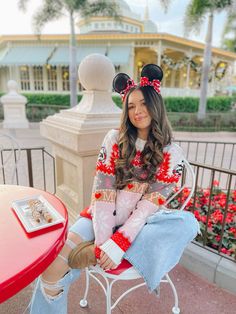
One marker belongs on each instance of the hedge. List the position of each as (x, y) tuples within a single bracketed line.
[(173, 104), (221, 121), (180, 121)]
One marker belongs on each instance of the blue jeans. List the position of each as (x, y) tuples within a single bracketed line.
[(41, 302)]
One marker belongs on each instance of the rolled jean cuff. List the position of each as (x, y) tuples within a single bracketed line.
[(83, 227)]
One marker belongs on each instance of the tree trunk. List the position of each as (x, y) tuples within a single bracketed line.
[(73, 64), (205, 70)]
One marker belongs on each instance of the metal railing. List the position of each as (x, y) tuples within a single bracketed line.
[(218, 154), (212, 202), (214, 206), (36, 168)]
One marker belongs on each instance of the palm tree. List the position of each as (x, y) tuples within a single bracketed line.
[(196, 12), (53, 10), (165, 4)]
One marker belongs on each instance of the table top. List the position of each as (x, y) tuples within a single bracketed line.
[(25, 256)]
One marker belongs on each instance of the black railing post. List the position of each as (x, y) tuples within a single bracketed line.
[(225, 214), (30, 169), (209, 208), (3, 170)]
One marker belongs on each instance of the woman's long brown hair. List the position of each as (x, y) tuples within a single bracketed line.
[(159, 136)]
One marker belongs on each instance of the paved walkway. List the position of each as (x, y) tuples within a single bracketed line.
[(32, 138), (196, 295)]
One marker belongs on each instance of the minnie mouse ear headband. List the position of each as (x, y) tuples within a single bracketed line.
[(151, 75)]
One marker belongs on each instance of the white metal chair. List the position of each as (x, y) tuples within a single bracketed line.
[(11, 153), (125, 271)]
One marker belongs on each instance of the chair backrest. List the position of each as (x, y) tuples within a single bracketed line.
[(14, 146), (188, 171)]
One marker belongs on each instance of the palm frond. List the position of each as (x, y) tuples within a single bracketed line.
[(195, 15), (165, 4), (74, 5), (49, 11), (22, 5), (100, 7)]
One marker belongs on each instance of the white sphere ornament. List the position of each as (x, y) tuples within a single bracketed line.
[(96, 72), (12, 86)]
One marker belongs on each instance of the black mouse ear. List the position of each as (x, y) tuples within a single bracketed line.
[(152, 72), (120, 82)]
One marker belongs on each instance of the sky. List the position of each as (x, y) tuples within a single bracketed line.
[(13, 21)]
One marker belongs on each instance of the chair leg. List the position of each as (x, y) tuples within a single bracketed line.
[(175, 309), (108, 299), (84, 302)]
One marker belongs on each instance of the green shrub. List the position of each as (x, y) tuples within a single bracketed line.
[(50, 99), (217, 121), (38, 112), (190, 104), (118, 101), (219, 104), (181, 104), (173, 104)]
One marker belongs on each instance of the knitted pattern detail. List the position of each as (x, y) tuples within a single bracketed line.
[(162, 174), (97, 252), (121, 241), (110, 168)]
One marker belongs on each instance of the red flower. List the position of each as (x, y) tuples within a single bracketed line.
[(233, 231), (217, 237), (186, 192), (216, 183), (197, 215), (225, 251), (234, 195), (204, 201), (206, 193), (232, 207), (222, 202), (229, 218), (209, 224), (217, 216)]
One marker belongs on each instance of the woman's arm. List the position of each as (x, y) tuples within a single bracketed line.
[(102, 206), (167, 177), (106, 212)]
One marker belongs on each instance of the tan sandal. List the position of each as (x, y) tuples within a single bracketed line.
[(82, 256)]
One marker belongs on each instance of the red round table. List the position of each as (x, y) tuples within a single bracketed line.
[(25, 256)]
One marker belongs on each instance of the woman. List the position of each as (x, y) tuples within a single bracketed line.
[(137, 169)]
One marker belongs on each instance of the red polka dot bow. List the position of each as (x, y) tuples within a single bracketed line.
[(130, 84), (156, 84)]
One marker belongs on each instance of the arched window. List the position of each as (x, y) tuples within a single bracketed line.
[(52, 77), (38, 77), (24, 77)]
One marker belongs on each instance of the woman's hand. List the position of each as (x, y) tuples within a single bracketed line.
[(105, 262)]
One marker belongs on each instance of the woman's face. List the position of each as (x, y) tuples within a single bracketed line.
[(138, 113)]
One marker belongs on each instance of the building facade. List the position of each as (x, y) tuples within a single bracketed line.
[(41, 64)]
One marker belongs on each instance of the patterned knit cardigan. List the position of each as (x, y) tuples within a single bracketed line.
[(130, 207)]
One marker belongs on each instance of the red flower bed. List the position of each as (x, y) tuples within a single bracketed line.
[(216, 218)]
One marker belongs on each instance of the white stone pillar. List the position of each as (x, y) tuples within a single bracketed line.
[(159, 53), (132, 60), (14, 108), (189, 54), (76, 134)]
